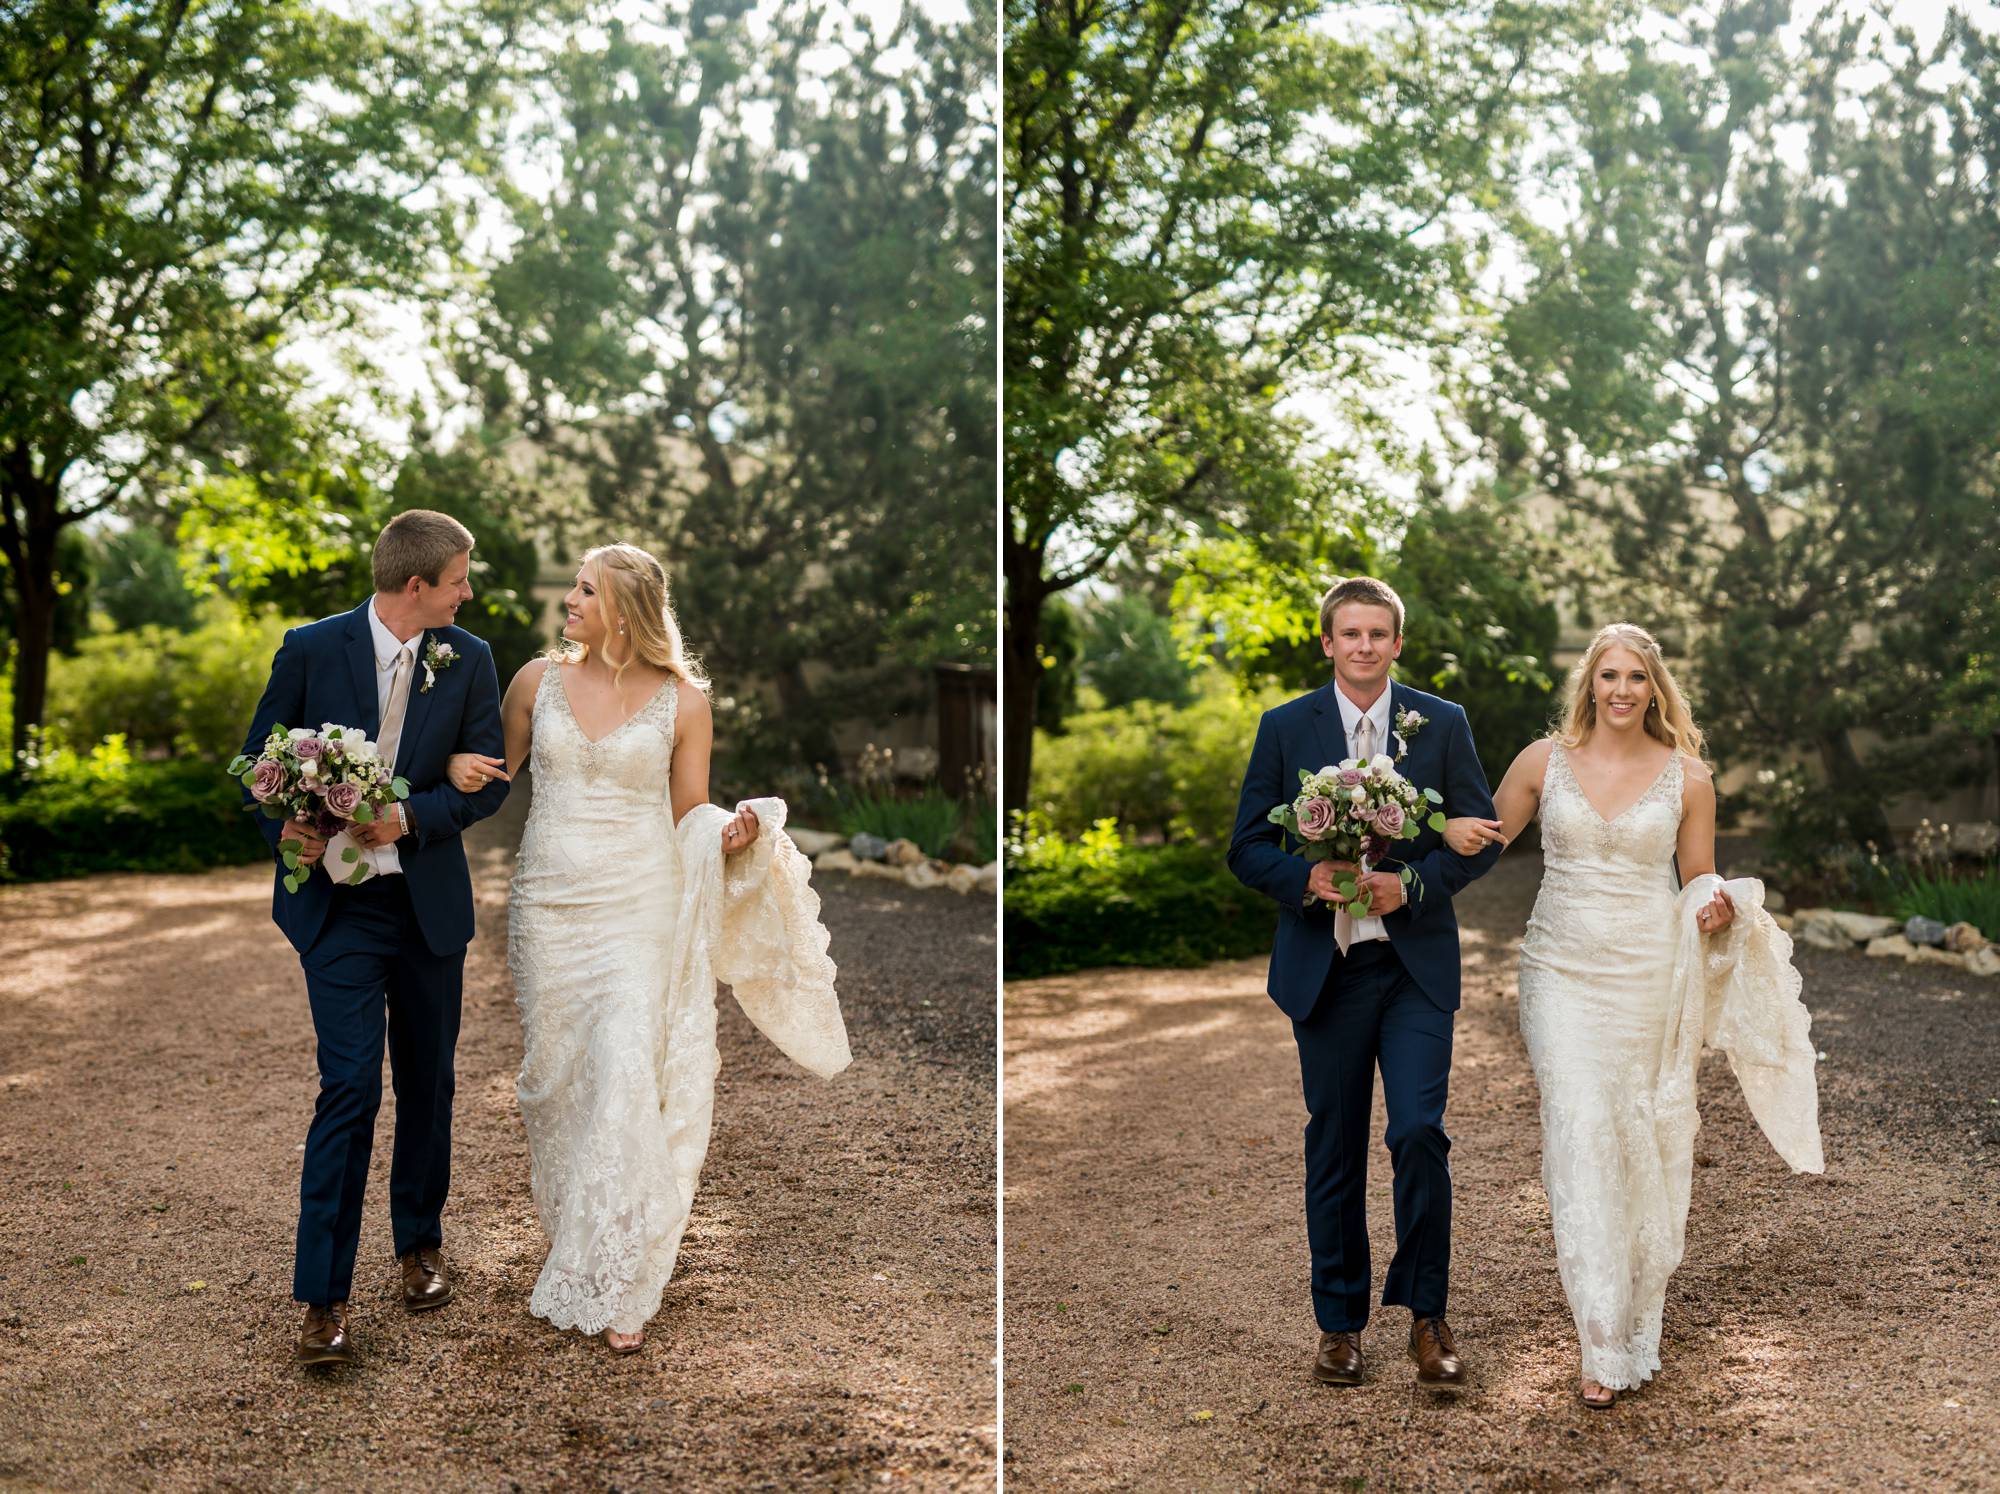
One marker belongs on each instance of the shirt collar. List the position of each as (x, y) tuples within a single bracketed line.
[(387, 645), (1350, 714)]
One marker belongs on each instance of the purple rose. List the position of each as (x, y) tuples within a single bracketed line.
[(1315, 818), (305, 749), (314, 786), (269, 781), (1389, 819), (343, 799), (1352, 777)]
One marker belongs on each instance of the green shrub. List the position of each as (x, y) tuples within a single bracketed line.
[(1073, 904), (930, 819), (1171, 772), (1952, 896), (105, 813), (190, 693)]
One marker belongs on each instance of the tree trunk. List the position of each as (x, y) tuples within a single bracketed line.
[(1865, 820), (30, 549), (796, 697), (1020, 674)]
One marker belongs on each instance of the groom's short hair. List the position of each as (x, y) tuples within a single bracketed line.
[(417, 542), (1359, 589)]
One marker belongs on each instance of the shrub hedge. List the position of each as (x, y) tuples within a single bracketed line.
[(146, 817), (1069, 909)]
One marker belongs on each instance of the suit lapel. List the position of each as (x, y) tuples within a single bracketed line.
[(361, 663), (1327, 724)]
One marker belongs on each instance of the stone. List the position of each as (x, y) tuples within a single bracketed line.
[(923, 876), (903, 853), (833, 861), (814, 843), (876, 869), (1984, 961), (1893, 946), (1922, 930), (1978, 838), (962, 879), (1774, 900), (1783, 921), (1819, 929), (989, 877), (1861, 927), (1963, 938), (1924, 954), (868, 847)]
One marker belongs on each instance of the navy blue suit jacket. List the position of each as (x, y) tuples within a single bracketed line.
[(1306, 733), (325, 671)]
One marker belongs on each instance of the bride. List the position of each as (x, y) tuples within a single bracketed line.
[(620, 922), (1622, 980)]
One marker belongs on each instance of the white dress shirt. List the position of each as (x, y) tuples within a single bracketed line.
[(1350, 717), (387, 645)]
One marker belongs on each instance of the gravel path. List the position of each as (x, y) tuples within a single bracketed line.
[(831, 1322), (1825, 1332)]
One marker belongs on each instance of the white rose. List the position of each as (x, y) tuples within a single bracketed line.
[(309, 768), (300, 733), (1333, 768), (1381, 762), (1358, 795)]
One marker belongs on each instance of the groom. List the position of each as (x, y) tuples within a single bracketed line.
[(384, 959), (1379, 989)]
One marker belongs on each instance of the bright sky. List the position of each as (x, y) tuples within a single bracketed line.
[(1409, 396), (398, 341)]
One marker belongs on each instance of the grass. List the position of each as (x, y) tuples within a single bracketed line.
[(1953, 897), (929, 819)]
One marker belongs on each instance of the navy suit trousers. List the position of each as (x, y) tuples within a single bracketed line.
[(1370, 1011), (369, 977)]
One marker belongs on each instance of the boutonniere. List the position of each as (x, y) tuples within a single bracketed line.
[(1407, 724), (437, 656)]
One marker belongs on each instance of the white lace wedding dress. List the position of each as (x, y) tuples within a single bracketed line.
[(1619, 993), (619, 927)]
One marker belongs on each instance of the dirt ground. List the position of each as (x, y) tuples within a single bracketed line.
[(830, 1324), (1829, 1332)]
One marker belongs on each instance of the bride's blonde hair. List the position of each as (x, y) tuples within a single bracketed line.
[(632, 590), (1667, 717)]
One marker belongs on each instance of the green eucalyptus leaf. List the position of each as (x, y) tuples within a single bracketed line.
[(400, 787), (1434, 796), (364, 813), (1436, 822), (350, 854)]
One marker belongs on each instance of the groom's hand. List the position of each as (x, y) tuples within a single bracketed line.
[(309, 838), (1385, 892), (384, 830), (1319, 881)]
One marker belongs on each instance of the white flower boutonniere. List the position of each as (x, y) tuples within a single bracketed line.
[(1407, 724), (436, 656)]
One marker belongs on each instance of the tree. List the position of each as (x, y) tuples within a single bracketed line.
[(767, 352), (183, 189), (1761, 356), (1211, 205)]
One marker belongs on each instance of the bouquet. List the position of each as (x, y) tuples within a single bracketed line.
[(1355, 811), (329, 779)]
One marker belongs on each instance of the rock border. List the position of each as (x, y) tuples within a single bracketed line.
[(895, 861), (1917, 941)]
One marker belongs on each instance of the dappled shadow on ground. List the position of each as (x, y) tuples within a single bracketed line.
[(1159, 1328), (831, 1319)]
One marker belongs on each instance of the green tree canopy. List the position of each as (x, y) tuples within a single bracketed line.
[(1760, 357), (183, 190)]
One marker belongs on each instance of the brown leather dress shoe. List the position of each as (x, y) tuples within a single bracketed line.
[(1436, 1354), (323, 1336), (425, 1284), (1339, 1359)]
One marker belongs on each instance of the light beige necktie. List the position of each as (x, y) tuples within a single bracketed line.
[(1364, 748), (390, 737)]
